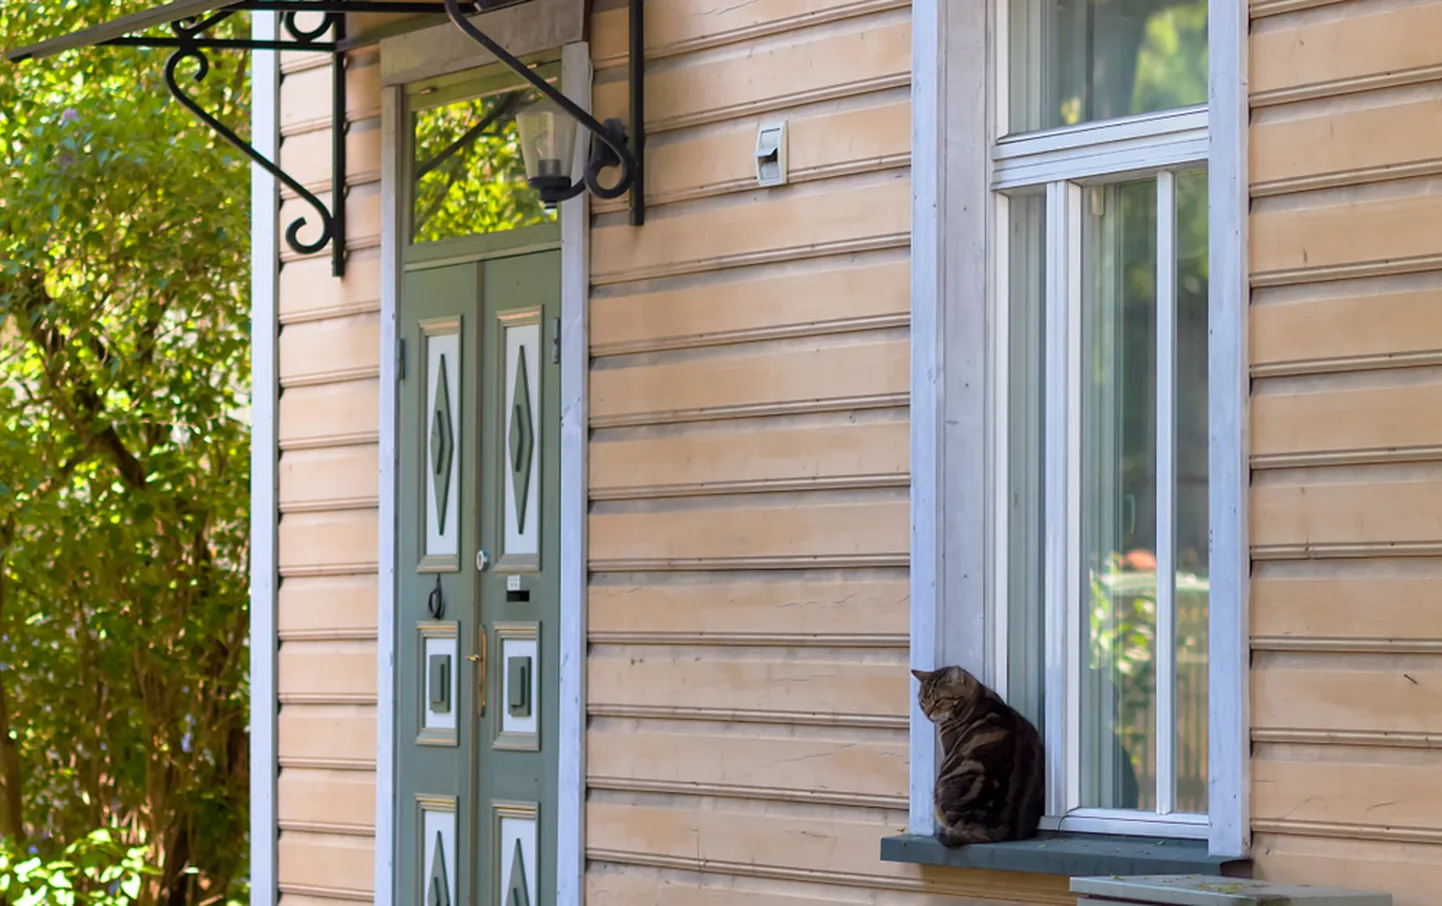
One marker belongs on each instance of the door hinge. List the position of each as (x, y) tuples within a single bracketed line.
[(555, 341), (400, 359)]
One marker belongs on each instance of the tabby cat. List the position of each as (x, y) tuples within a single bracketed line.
[(991, 782)]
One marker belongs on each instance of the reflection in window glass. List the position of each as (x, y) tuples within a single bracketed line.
[(468, 176), (1120, 476), (1118, 497), (1026, 464), (1192, 536), (1080, 61)]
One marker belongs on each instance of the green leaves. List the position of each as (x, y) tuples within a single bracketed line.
[(124, 538), (99, 869), (473, 183)]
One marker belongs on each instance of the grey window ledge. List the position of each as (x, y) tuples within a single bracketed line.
[(1195, 890), (1070, 854)]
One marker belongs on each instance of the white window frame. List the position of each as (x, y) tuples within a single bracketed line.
[(958, 415)]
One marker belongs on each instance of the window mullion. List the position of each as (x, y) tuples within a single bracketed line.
[(1108, 151), (1077, 592), (1000, 472), (1062, 504), (1054, 490), (1166, 357)]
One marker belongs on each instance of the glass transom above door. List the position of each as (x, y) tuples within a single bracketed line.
[(467, 175)]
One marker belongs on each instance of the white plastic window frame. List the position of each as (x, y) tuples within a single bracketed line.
[(958, 167), (1170, 143)]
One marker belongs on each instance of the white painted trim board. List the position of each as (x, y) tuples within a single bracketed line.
[(575, 370), (949, 221), (264, 471), (1229, 393), (385, 843), (926, 96)]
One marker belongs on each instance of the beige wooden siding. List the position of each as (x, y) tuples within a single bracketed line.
[(329, 361), (749, 519), (1346, 436)]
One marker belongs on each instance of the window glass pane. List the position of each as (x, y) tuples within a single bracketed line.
[(1118, 497), (1025, 465), (1079, 61), (1192, 514), (467, 174)]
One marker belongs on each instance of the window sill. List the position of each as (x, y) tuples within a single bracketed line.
[(1070, 854)]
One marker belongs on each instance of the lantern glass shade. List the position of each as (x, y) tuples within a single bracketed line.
[(548, 142)]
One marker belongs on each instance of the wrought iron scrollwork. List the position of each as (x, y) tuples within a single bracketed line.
[(304, 36), (195, 26), (189, 40), (190, 44), (292, 233)]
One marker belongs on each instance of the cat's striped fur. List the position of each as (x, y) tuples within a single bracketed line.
[(991, 783)]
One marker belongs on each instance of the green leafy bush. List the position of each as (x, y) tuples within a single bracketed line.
[(96, 870)]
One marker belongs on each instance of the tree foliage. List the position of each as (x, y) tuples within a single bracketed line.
[(124, 458), (471, 177)]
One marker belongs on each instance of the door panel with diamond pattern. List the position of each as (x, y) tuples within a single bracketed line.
[(476, 650)]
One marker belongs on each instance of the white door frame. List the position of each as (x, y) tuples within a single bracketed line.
[(575, 366)]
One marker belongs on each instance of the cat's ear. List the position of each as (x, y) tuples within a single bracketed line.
[(922, 675)]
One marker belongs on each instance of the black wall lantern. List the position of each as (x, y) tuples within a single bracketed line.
[(548, 129), (548, 144)]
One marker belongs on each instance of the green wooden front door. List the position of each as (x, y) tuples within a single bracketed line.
[(476, 643)]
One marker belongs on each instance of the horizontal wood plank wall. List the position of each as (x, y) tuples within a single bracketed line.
[(748, 528), (1347, 443), (329, 409)]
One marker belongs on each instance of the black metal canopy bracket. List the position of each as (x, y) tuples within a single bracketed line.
[(190, 44), (190, 22)]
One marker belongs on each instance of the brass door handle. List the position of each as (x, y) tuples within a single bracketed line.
[(481, 682)]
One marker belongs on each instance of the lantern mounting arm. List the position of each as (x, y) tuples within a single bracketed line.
[(612, 133)]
